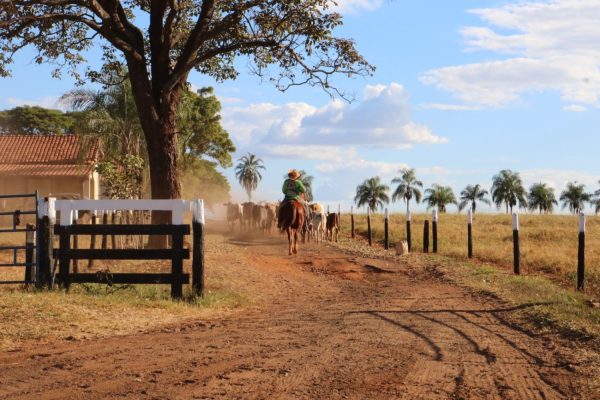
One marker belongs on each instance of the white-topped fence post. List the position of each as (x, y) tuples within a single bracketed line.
[(386, 227), (369, 226), (46, 219), (408, 231), (470, 233), (198, 248), (581, 254), (434, 224), (516, 252)]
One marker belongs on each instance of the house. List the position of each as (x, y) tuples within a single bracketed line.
[(61, 166)]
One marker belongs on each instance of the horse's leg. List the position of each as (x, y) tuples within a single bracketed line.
[(295, 241), (289, 234)]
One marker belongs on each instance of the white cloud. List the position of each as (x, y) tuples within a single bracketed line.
[(552, 45), (46, 102), (381, 120), (575, 108), (449, 107)]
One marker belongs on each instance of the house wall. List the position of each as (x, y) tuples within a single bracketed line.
[(59, 187)]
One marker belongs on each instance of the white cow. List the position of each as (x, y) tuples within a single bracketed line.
[(317, 223)]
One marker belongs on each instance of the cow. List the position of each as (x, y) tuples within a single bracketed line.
[(235, 213), (317, 223), (259, 217), (332, 226), (248, 208), (271, 216)]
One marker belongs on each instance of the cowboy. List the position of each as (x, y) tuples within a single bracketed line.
[(294, 189)]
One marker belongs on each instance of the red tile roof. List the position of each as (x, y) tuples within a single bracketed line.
[(51, 155)]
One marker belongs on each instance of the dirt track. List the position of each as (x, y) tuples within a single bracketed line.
[(330, 326)]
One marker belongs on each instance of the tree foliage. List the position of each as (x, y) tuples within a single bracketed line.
[(541, 197), (574, 197), (247, 171), (36, 120), (372, 193), (122, 178), (408, 187), (472, 194), (507, 188), (439, 196)]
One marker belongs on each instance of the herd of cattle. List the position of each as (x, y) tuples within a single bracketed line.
[(262, 217)]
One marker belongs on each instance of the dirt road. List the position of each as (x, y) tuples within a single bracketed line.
[(329, 325)]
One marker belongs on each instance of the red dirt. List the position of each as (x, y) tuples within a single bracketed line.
[(330, 326)]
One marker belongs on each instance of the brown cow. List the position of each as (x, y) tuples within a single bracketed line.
[(248, 208), (234, 213), (259, 217), (332, 226), (271, 216)]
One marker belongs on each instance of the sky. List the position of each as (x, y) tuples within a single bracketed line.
[(462, 89)]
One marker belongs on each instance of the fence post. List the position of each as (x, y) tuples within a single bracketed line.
[(426, 236), (176, 263), (104, 243), (470, 233), (64, 261), (45, 243), (408, 232), (198, 248), (75, 241), (516, 253), (386, 227), (369, 225), (434, 224), (581, 254), (352, 220), (29, 244), (93, 238)]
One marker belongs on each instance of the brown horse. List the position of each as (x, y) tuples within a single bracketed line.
[(292, 217)]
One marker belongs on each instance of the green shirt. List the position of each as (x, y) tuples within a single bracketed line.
[(292, 189)]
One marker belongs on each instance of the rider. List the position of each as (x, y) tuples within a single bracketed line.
[(294, 189)]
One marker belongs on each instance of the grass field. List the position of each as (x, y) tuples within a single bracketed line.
[(548, 242)]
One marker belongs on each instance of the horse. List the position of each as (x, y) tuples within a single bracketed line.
[(292, 219)]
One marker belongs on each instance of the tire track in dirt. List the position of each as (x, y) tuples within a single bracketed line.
[(330, 326)]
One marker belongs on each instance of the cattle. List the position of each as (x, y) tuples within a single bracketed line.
[(317, 222), (235, 213), (259, 217), (248, 208), (332, 226), (272, 209)]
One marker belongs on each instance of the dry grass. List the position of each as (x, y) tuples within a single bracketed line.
[(93, 310), (548, 242)]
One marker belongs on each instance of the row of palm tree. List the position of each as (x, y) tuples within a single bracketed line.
[(507, 189)]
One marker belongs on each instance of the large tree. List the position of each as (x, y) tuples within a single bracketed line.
[(26, 120), (161, 41)]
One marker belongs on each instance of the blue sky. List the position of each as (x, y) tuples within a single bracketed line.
[(462, 90)]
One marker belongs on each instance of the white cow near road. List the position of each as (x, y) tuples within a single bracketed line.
[(317, 223)]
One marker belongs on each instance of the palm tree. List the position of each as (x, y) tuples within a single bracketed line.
[(248, 173), (372, 193), (439, 196), (472, 194), (574, 197), (507, 188), (109, 115), (541, 197), (408, 187)]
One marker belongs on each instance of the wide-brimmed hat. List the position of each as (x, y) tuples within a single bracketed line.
[(294, 174)]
